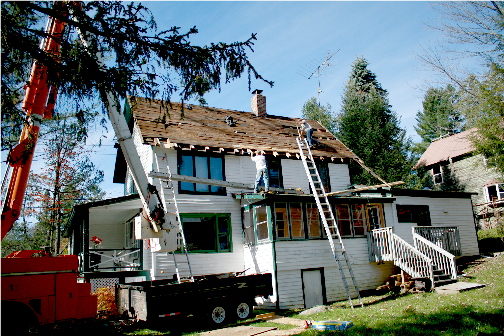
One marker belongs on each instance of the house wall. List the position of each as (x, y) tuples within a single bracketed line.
[(444, 212), (294, 256), (162, 265), (473, 173)]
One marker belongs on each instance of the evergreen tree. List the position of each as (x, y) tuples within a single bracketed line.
[(438, 118), (369, 127), (323, 114), (140, 59)]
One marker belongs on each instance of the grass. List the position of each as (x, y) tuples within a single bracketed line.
[(474, 312)]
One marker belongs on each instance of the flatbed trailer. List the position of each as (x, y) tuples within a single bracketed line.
[(214, 299)]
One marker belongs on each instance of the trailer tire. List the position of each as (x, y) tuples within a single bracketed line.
[(217, 313), (244, 309)]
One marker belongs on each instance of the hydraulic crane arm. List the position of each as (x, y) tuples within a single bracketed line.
[(38, 103)]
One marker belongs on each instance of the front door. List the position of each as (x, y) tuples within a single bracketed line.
[(313, 287)]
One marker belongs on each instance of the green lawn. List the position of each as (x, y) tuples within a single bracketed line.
[(474, 312)]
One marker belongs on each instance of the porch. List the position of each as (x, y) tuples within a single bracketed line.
[(432, 256)]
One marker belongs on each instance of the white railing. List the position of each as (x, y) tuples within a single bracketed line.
[(446, 237), (380, 247), (114, 259), (442, 259), (410, 260)]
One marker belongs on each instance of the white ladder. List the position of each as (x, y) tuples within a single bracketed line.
[(171, 210), (327, 216)]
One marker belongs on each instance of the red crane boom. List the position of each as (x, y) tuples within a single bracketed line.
[(38, 103)]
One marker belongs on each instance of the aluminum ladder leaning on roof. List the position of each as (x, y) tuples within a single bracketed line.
[(172, 212), (327, 216)]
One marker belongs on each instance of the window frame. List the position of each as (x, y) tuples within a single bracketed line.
[(289, 221), (216, 233), (499, 192), (352, 219), (208, 156), (437, 176), (414, 210), (274, 168)]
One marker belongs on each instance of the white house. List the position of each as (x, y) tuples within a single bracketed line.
[(230, 229)]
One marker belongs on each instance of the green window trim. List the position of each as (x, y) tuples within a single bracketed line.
[(207, 232)]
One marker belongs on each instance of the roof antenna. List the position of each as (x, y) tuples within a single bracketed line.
[(317, 72)]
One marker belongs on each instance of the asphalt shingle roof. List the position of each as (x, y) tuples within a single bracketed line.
[(450, 147), (205, 128)]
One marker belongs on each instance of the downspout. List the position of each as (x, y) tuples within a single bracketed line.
[(275, 276), (273, 250)]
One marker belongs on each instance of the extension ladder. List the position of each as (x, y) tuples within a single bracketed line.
[(327, 216), (171, 210)]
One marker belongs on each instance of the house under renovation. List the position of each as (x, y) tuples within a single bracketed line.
[(320, 240)]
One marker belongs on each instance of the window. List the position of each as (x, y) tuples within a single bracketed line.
[(295, 220), (323, 169), (289, 220), (374, 217), (261, 215), (314, 224), (274, 171), (418, 214), (437, 174), (350, 219), (207, 232), (205, 166), (494, 192), (248, 227)]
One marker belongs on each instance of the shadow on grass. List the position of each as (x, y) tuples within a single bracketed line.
[(455, 321)]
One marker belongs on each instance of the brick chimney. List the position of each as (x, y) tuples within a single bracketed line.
[(258, 103)]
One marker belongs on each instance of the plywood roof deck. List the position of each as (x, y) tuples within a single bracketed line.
[(205, 128)]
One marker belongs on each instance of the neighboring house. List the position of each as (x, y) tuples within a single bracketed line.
[(452, 162), (230, 229)]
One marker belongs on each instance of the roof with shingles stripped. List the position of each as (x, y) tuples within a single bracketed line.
[(205, 128)]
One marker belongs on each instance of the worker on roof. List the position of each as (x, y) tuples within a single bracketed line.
[(262, 170), (305, 127)]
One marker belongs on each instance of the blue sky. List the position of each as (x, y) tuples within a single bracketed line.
[(293, 38)]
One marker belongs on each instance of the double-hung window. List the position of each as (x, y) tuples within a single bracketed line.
[(207, 232), (201, 165), (494, 192), (437, 174)]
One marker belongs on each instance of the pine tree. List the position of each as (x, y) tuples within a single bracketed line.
[(140, 59), (369, 127), (438, 118), (323, 114)]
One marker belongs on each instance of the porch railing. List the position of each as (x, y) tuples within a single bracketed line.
[(387, 246), (410, 260), (114, 259), (380, 247), (447, 237), (441, 259)]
